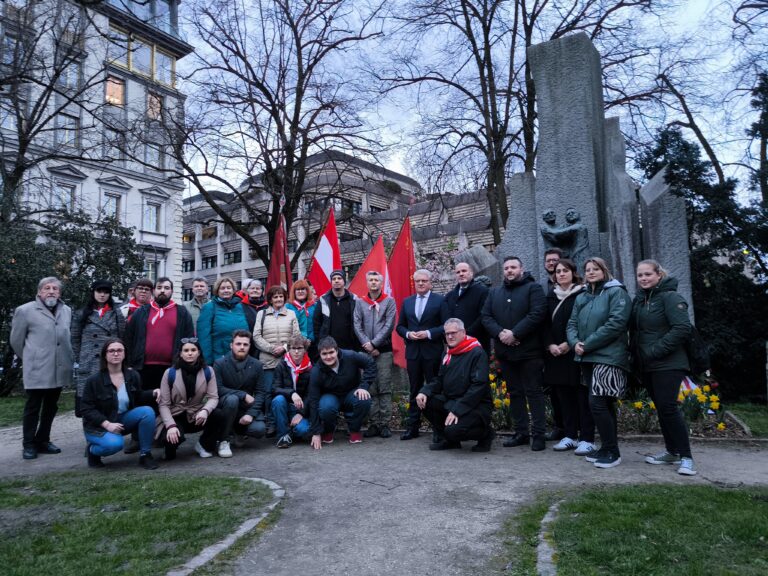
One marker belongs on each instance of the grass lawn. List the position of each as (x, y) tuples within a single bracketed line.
[(648, 530), (12, 407), (128, 523), (755, 415)]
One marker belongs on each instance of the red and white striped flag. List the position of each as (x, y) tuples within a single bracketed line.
[(326, 258)]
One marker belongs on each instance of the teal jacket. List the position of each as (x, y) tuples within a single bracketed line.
[(218, 319), (660, 328), (600, 320)]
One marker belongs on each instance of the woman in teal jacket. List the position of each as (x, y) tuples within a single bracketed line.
[(660, 329), (218, 319), (597, 331)]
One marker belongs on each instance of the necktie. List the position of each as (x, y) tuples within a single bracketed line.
[(420, 306)]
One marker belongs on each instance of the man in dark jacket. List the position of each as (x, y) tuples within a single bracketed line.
[(336, 382), (458, 400), (466, 301), (154, 333), (512, 315), (239, 377), (335, 314)]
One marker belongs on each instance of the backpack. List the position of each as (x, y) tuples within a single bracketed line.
[(172, 375), (698, 353)]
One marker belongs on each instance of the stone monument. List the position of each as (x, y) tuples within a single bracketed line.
[(581, 198)]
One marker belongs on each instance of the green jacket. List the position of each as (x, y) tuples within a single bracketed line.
[(660, 328), (600, 319)]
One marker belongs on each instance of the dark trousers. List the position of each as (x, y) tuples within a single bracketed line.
[(604, 413), (577, 417), (151, 375), (471, 426), (231, 409), (39, 412), (663, 387), (524, 382), (419, 371), (558, 423), (212, 431)]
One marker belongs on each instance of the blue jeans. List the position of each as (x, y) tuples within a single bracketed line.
[(283, 412), (355, 411), (141, 419)]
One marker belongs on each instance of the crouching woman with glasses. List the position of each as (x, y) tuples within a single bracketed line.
[(113, 405)]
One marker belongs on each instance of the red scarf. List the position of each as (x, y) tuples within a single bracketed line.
[(374, 303), (465, 345), (103, 310), (296, 370), (303, 307), (133, 305), (160, 312)]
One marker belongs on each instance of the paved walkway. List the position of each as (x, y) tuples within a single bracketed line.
[(387, 507)]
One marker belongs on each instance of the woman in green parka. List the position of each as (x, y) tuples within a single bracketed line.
[(660, 329), (597, 332)]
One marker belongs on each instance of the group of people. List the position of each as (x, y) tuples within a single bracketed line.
[(249, 364)]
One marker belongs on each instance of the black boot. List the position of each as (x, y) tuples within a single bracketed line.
[(484, 445), (93, 460)]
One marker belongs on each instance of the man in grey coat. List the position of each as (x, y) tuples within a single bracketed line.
[(40, 336)]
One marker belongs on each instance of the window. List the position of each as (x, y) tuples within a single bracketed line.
[(153, 155), (154, 106), (141, 57), (152, 217), (67, 130), (163, 16), (118, 47), (318, 205), (110, 206), (115, 91), (234, 257), (69, 79), (164, 68), (350, 206), (150, 269), (187, 265), (376, 209), (63, 196), (346, 237), (8, 50), (293, 245), (115, 144), (186, 294), (210, 232), (209, 262), (187, 238)]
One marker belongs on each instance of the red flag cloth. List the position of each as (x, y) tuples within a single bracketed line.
[(280, 264), (402, 263), (375, 261), (326, 257)]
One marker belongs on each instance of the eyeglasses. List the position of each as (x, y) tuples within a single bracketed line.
[(142, 289), (189, 340), (115, 350), (454, 333)]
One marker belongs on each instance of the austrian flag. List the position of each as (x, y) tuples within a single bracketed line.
[(327, 257)]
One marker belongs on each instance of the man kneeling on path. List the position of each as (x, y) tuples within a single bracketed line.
[(458, 400), (337, 382), (241, 392)]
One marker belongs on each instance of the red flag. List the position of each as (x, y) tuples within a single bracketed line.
[(375, 261), (326, 257), (403, 265), (280, 264)]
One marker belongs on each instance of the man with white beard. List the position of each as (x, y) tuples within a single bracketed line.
[(40, 336)]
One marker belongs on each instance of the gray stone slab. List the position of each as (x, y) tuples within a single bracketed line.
[(483, 262), (521, 237)]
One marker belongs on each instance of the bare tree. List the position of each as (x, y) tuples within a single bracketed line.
[(271, 85), (476, 93)]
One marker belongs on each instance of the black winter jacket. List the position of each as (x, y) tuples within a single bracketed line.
[(468, 308), (519, 306), (335, 317), (464, 385), (241, 378)]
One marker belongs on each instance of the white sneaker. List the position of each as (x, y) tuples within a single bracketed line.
[(565, 444), (584, 448), (202, 451), (224, 449), (687, 467)]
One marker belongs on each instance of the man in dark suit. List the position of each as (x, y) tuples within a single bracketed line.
[(421, 327), (465, 302)]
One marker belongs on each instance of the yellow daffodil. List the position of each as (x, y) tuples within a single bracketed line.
[(721, 426), (714, 398), (493, 386), (680, 398), (638, 405), (492, 377), (497, 403), (686, 392), (506, 401), (407, 405), (701, 399), (715, 405), (707, 388), (651, 405)]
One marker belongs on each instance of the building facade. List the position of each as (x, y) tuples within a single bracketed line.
[(90, 87)]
